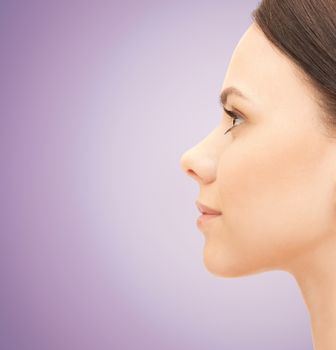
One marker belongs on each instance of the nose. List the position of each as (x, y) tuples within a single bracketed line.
[(186, 165), (199, 166)]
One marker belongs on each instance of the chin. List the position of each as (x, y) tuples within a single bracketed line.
[(219, 265), (225, 265)]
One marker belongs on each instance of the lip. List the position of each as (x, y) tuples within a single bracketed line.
[(202, 219), (207, 210)]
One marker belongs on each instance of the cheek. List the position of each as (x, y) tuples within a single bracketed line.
[(269, 199)]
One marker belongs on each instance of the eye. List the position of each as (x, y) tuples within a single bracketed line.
[(234, 116)]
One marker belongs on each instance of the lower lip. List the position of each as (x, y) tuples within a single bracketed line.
[(206, 217)]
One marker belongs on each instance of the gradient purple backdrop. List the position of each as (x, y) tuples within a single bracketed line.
[(99, 243)]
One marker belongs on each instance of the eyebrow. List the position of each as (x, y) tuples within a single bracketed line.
[(231, 90)]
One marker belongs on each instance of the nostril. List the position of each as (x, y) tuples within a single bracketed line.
[(192, 173)]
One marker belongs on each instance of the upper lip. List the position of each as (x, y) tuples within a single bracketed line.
[(206, 210)]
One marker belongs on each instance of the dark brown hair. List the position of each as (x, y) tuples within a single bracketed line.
[(305, 31)]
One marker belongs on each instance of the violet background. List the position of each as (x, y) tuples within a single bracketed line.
[(99, 244)]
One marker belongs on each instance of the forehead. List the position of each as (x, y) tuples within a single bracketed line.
[(265, 74)]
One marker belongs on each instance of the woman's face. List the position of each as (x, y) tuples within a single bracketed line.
[(272, 176)]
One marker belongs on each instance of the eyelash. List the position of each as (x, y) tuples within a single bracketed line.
[(233, 116)]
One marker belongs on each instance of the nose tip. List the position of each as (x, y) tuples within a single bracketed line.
[(202, 170), (184, 163), (181, 162)]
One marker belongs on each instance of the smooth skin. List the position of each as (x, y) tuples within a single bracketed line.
[(273, 177)]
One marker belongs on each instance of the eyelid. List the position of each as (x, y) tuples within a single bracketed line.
[(234, 116)]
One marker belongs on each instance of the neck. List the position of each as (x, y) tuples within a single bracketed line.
[(315, 273)]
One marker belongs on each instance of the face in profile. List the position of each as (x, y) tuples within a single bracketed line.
[(272, 174)]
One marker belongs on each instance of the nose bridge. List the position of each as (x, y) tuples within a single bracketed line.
[(200, 161)]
